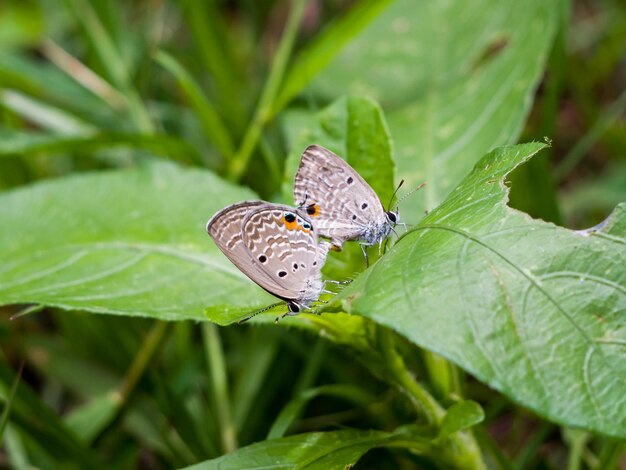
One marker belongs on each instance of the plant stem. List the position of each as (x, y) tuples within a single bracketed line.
[(610, 454), (219, 385), (444, 376), (458, 450), (263, 111), (577, 446), (424, 403), (145, 353)]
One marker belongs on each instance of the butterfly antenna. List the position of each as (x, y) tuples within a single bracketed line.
[(264, 309), (303, 203), (332, 281), (394, 195), (410, 192)]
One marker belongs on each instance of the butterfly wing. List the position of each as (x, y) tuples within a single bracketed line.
[(340, 202), (282, 244), (254, 237), (226, 229)]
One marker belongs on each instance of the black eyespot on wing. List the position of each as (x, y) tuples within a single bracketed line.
[(307, 226), (295, 266), (282, 273), (354, 217), (314, 263), (311, 209), (289, 217), (364, 206), (350, 180), (262, 258)]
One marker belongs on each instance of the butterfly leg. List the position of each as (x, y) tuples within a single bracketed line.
[(286, 314), (367, 261), (406, 226)]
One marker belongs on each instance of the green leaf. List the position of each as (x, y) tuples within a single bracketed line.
[(532, 309), (322, 450), (455, 80), (460, 416), (125, 242)]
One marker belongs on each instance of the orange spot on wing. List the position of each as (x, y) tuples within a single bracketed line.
[(290, 225), (313, 210)]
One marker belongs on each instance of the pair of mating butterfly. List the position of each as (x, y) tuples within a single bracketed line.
[(277, 247)]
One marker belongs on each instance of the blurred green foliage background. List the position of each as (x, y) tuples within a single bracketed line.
[(89, 85)]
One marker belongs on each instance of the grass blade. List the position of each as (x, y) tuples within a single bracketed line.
[(219, 385), (112, 60), (28, 143), (294, 408), (325, 48), (4, 419), (78, 71), (44, 115), (216, 53), (210, 119), (263, 111)]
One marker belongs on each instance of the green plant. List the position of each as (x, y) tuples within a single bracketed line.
[(473, 290)]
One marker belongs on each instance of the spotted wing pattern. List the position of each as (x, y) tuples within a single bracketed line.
[(339, 201), (225, 229), (273, 245)]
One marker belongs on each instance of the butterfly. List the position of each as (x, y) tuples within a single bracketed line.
[(274, 245), (339, 201)]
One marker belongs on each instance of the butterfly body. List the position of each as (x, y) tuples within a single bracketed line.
[(341, 204), (275, 246)]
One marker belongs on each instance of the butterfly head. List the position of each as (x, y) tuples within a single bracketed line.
[(393, 217)]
